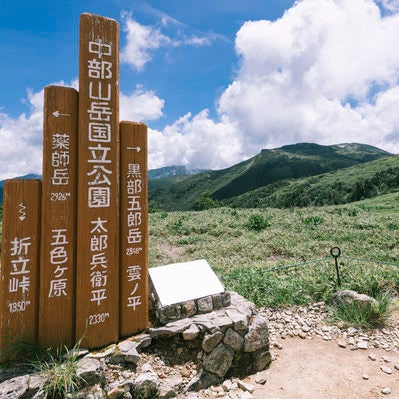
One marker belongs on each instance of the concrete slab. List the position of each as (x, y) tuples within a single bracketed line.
[(180, 282)]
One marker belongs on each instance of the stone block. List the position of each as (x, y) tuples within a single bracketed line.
[(226, 298), (219, 360), (211, 340), (262, 359), (217, 301), (205, 305), (234, 340), (258, 335), (188, 309), (191, 333)]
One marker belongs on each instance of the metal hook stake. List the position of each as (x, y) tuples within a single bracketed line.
[(335, 252)]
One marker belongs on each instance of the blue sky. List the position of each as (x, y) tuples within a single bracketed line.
[(215, 81)]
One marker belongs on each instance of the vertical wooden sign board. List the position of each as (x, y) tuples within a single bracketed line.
[(97, 289), (134, 229), (19, 264), (58, 240)]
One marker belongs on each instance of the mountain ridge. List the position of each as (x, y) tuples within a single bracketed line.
[(269, 166)]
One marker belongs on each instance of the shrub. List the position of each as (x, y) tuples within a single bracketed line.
[(257, 222), (313, 221), (60, 372)]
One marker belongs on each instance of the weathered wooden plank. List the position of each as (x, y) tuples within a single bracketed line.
[(97, 315), (19, 264), (58, 236), (134, 229)]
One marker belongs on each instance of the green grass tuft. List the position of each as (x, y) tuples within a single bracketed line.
[(366, 315)]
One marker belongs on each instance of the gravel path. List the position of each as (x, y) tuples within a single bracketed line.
[(314, 359)]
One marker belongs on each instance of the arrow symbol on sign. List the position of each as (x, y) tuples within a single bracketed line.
[(134, 148), (22, 213), (58, 114)]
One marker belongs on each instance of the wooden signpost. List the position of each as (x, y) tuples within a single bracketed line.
[(93, 207), (19, 263), (97, 314), (58, 238), (134, 229)]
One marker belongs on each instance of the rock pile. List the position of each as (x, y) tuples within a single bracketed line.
[(308, 322), (215, 346)]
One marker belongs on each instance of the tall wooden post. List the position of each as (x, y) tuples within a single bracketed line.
[(134, 229), (58, 237), (97, 316), (19, 264)]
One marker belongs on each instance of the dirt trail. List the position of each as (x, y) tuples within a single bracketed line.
[(321, 369)]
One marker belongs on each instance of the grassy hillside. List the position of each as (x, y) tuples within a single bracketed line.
[(268, 167), (339, 187), (287, 260)]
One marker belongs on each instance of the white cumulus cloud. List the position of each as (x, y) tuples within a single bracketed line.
[(325, 72)]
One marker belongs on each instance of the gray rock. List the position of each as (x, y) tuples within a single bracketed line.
[(257, 336), (262, 359), (103, 353), (386, 370), (350, 296), (146, 385), (188, 308), (245, 395), (89, 370), (217, 302), (171, 387), (226, 298), (233, 339), (35, 383), (227, 385), (211, 340), (126, 353), (245, 386), (14, 388), (362, 345), (205, 304), (191, 333), (219, 360), (142, 341), (240, 320), (169, 313), (115, 393), (203, 380), (386, 390)]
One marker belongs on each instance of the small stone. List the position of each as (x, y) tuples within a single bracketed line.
[(302, 335), (115, 393), (341, 343), (386, 370), (278, 345), (386, 390), (245, 395), (365, 376), (372, 357), (244, 386), (362, 345), (226, 385), (397, 366)]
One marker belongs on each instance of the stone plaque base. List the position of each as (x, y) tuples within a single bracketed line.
[(181, 290)]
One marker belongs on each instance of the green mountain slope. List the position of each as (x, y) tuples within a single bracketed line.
[(268, 167), (342, 186)]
